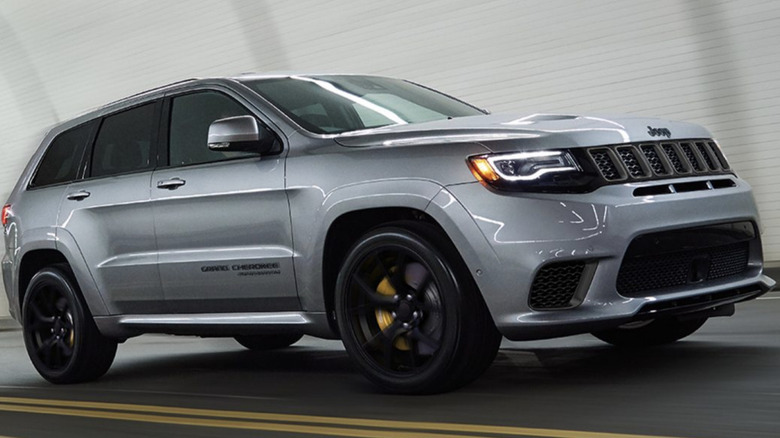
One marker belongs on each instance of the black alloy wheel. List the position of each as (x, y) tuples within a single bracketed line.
[(61, 338), (409, 313)]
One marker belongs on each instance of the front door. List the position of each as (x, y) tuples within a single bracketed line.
[(221, 219)]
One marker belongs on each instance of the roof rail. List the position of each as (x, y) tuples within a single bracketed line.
[(151, 90)]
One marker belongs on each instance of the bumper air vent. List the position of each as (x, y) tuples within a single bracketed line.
[(555, 286)]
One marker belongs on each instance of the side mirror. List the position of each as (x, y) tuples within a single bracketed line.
[(240, 134)]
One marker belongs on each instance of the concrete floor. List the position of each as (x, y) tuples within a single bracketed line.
[(721, 382)]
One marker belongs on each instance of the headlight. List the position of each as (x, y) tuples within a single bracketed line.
[(537, 171)]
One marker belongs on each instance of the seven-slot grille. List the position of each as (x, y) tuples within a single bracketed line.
[(650, 160)]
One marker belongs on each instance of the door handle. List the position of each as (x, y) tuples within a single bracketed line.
[(78, 196), (171, 184)]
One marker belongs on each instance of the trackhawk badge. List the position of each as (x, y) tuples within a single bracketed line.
[(657, 132)]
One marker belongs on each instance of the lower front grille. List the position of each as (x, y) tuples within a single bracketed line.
[(672, 259), (555, 286)]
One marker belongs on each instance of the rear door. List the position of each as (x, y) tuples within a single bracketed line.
[(221, 218), (109, 216)]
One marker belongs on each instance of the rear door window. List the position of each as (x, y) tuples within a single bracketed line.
[(125, 142), (61, 162)]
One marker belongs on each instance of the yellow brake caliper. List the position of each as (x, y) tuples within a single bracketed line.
[(72, 334), (384, 318)]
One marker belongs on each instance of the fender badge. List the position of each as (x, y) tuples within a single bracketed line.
[(657, 132)]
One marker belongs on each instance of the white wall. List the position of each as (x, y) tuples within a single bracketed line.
[(711, 62)]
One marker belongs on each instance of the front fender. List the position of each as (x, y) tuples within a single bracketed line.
[(314, 211), (472, 245)]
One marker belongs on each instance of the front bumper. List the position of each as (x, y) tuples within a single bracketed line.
[(521, 232)]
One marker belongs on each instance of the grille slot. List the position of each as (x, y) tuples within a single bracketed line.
[(721, 159), (555, 285), (632, 163), (691, 156), (654, 159), (605, 164), (674, 158), (707, 155)]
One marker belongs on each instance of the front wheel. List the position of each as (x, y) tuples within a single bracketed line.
[(409, 313), (62, 340), (648, 333)]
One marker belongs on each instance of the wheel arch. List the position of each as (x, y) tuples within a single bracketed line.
[(327, 223), (38, 258), (32, 262)]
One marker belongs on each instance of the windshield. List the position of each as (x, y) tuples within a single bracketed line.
[(336, 104)]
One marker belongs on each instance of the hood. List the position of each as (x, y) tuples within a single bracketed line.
[(500, 132)]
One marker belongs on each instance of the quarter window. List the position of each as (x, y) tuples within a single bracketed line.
[(124, 142), (61, 162), (191, 115)]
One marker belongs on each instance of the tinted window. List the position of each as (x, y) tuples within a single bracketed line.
[(124, 142), (191, 116), (61, 162), (335, 104)]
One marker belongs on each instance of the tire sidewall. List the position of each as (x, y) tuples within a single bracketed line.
[(57, 278), (447, 285)]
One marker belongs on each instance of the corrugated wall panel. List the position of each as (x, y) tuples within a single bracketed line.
[(710, 62)]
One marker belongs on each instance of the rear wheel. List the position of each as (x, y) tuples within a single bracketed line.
[(268, 342), (61, 337), (648, 333), (409, 313)]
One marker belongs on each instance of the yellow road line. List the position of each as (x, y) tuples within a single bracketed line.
[(226, 424), (28, 404)]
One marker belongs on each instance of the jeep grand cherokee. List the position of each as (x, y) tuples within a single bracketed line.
[(415, 227)]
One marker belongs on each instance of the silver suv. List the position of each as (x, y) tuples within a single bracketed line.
[(415, 227)]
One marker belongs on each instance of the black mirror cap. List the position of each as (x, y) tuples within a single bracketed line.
[(240, 134)]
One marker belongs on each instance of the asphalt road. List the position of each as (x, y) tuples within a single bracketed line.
[(724, 381)]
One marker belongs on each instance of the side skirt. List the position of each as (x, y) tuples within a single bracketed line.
[(216, 324)]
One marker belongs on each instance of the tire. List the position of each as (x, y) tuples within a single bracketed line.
[(655, 332), (61, 337), (410, 315), (268, 342)]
